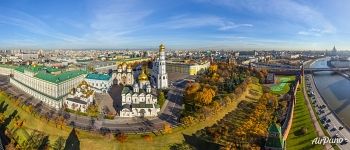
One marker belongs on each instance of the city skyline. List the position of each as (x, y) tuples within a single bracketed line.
[(192, 24)]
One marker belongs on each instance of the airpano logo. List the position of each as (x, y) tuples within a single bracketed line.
[(325, 140)]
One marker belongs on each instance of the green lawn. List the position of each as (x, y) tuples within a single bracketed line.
[(301, 119), (92, 141), (282, 86)]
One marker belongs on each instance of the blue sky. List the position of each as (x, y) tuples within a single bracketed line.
[(234, 24)]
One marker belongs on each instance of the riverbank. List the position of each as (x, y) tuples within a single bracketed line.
[(336, 122)]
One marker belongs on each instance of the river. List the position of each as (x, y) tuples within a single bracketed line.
[(335, 89)]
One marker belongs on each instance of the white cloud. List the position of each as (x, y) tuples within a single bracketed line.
[(186, 21), (293, 12)]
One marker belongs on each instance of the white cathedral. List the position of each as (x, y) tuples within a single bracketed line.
[(124, 75), (138, 100), (159, 75)]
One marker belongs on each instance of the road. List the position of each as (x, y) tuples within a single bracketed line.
[(170, 113), (334, 121)]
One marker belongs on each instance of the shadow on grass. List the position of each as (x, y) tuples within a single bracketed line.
[(199, 143), (72, 142), (3, 107), (4, 139)]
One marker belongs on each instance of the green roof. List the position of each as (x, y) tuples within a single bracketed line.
[(96, 76), (275, 139), (44, 73), (274, 128), (60, 77), (274, 142)]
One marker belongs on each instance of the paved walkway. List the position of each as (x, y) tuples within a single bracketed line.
[(317, 126)]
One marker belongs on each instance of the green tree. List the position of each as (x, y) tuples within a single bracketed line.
[(91, 68), (59, 143), (161, 98), (92, 110)]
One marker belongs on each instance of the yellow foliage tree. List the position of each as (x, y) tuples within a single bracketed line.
[(188, 120), (205, 97), (2, 118), (167, 128)]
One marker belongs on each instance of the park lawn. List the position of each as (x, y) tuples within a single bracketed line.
[(301, 118), (92, 141), (282, 86)]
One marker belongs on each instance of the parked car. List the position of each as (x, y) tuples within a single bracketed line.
[(344, 142)]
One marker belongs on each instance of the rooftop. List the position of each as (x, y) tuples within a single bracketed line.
[(96, 76), (44, 73)]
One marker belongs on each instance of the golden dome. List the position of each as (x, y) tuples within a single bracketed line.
[(84, 83), (129, 67), (119, 66), (161, 48), (124, 64), (143, 76)]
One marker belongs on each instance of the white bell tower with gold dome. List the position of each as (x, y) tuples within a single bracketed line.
[(159, 70)]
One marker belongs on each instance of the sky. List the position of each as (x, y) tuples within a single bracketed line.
[(186, 24)]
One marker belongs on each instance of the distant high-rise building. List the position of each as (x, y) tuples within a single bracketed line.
[(334, 51)]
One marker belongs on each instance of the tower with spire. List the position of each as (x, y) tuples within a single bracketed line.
[(334, 51), (159, 75)]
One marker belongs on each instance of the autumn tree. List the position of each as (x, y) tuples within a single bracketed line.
[(205, 97), (60, 121), (92, 110), (2, 118), (213, 68), (188, 120), (121, 137), (148, 138), (167, 128)]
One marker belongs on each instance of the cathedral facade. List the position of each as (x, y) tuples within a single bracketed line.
[(138, 100), (123, 75)]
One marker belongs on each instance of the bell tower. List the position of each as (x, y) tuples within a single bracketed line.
[(162, 77)]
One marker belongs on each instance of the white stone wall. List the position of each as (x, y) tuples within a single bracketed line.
[(100, 86), (57, 104)]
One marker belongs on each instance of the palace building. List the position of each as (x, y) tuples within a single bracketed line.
[(124, 75), (159, 74), (80, 98), (138, 100), (101, 83), (48, 84)]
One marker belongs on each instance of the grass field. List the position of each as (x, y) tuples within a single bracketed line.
[(282, 86), (92, 141), (301, 118)]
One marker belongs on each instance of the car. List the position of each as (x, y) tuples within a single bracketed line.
[(341, 127), (326, 125), (328, 120), (344, 142), (334, 129)]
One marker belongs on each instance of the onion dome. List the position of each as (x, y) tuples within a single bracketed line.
[(161, 48), (84, 83), (143, 76), (129, 67), (136, 85), (124, 64), (119, 66)]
